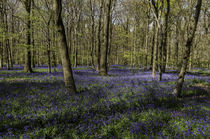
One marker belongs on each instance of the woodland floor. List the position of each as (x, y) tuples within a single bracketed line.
[(127, 103)]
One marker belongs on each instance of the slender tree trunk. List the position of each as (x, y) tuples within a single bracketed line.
[(127, 40), (62, 43), (33, 49), (165, 37), (38, 56), (168, 62), (193, 27), (1, 54), (116, 54), (110, 61), (99, 34), (6, 34), (53, 51), (176, 54), (7, 42), (92, 33), (160, 53), (146, 44), (153, 44), (76, 44), (154, 63), (104, 50), (76, 56), (33, 40), (27, 67), (71, 42), (49, 47), (163, 44), (156, 31), (13, 40), (110, 42), (49, 60), (8, 53)]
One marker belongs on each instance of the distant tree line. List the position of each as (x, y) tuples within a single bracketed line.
[(152, 34)]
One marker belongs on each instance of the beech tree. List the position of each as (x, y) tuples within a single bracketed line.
[(156, 13), (27, 67), (63, 47), (185, 60), (104, 49), (163, 45), (99, 34)]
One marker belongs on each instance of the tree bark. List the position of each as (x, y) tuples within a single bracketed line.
[(99, 34), (92, 32), (165, 37), (154, 63), (177, 91), (33, 40), (104, 50), (156, 30), (146, 44), (62, 43), (49, 47), (163, 44), (152, 50), (7, 42), (27, 67), (176, 54), (160, 54)]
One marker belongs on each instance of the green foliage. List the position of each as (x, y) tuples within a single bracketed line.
[(116, 128)]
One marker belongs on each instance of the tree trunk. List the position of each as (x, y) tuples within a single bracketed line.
[(33, 50), (7, 42), (99, 35), (33, 41), (8, 53), (163, 44), (153, 44), (176, 53), (165, 37), (13, 40), (168, 61), (27, 67), (146, 44), (110, 42), (193, 27), (92, 33), (62, 43), (53, 52), (160, 54), (154, 63), (49, 47), (104, 50), (156, 31)]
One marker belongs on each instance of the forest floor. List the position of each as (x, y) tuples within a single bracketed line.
[(127, 103)]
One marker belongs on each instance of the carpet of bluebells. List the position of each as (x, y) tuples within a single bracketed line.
[(127, 103)]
